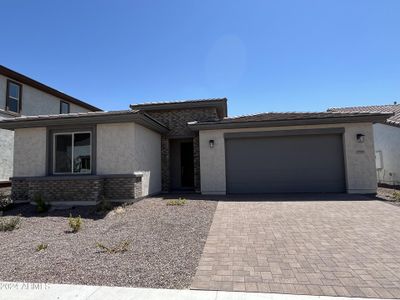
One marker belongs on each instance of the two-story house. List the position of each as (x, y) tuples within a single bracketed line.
[(23, 96)]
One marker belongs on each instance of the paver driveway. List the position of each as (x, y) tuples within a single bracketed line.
[(334, 248)]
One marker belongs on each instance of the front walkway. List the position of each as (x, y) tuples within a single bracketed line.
[(42, 291), (332, 248)]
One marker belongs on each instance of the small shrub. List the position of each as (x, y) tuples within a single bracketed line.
[(41, 247), (41, 205), (177, 202), (5, 200), (120, 248), (104, 206), (9, 224), (396, 196), (75, 223)]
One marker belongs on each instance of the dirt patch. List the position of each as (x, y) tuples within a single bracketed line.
[(165, 245)]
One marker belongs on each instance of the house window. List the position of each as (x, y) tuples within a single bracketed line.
[(13, 97), (72, 153), (64, 107)]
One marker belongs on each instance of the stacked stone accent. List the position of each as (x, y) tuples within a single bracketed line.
[(165, 178), (20, 189), (65, 189), (177, 120), (196, 158), (121, 187), (90, 188)]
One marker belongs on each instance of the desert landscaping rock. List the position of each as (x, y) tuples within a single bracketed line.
[(165, 245), (386, 194)]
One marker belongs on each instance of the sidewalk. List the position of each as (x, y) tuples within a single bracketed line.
[(44, 291)]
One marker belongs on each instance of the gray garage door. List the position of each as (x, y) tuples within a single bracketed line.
[(285, 164)]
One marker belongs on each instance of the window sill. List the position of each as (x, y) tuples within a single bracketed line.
[(9, 112)]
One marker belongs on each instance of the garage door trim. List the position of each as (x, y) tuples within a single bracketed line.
[(256, 134)]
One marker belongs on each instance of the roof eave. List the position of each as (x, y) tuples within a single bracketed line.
[(279, 123), (220, 104), (139, 118)]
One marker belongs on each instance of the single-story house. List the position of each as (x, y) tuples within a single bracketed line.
[(190, 145), (386, 139)]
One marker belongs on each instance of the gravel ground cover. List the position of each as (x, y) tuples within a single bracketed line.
[(165, 245), (387, 195)]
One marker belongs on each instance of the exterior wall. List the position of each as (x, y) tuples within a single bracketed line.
[(127, 148), (176, 120), (387, 140), (30, 152), (115, 148), (359, 157), (6, 154), (6, 151), (35, 102), (147, 159)]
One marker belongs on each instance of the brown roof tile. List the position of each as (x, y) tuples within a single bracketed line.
[(291, 118), (179, 102), (394, 108), (277, 116)]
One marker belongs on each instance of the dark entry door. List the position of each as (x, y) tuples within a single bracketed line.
[(187, 166), (181, 164)]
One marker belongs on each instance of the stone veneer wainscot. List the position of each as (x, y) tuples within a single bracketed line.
[(82, 189)]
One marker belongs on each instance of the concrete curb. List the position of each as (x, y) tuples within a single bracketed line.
[(46, 291)]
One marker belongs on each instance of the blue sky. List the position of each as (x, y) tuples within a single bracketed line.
[(298, 55)]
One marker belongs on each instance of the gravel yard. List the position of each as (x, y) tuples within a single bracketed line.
[(387, 195), (165, 245)]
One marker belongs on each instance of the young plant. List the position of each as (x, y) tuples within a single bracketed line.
[(177, 202), (41, 247), (104, 205), (9, 224), (5, 200), (41, 205), (75, 223), (120, 248), (396, 195)]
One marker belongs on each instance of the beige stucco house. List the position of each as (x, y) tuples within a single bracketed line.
[(190, 146), (23, 96)]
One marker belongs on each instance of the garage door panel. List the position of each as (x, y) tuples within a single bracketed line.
[(309, 163)]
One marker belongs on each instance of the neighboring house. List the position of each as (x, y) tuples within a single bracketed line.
[(23, 96), (387, 141), (190, 145)]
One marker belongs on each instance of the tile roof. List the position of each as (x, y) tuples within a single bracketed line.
[(394, 108), (69, 116), (291, 118), (187, 101), (219, 103), (84, 118), (278, 116)]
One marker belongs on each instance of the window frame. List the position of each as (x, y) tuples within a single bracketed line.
[(61, 104), (72, 173), (7, 108)]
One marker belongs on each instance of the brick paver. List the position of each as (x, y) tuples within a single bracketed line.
[(332, 248)]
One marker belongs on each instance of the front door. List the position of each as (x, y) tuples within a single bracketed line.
[(187, 171), (181, 164)]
